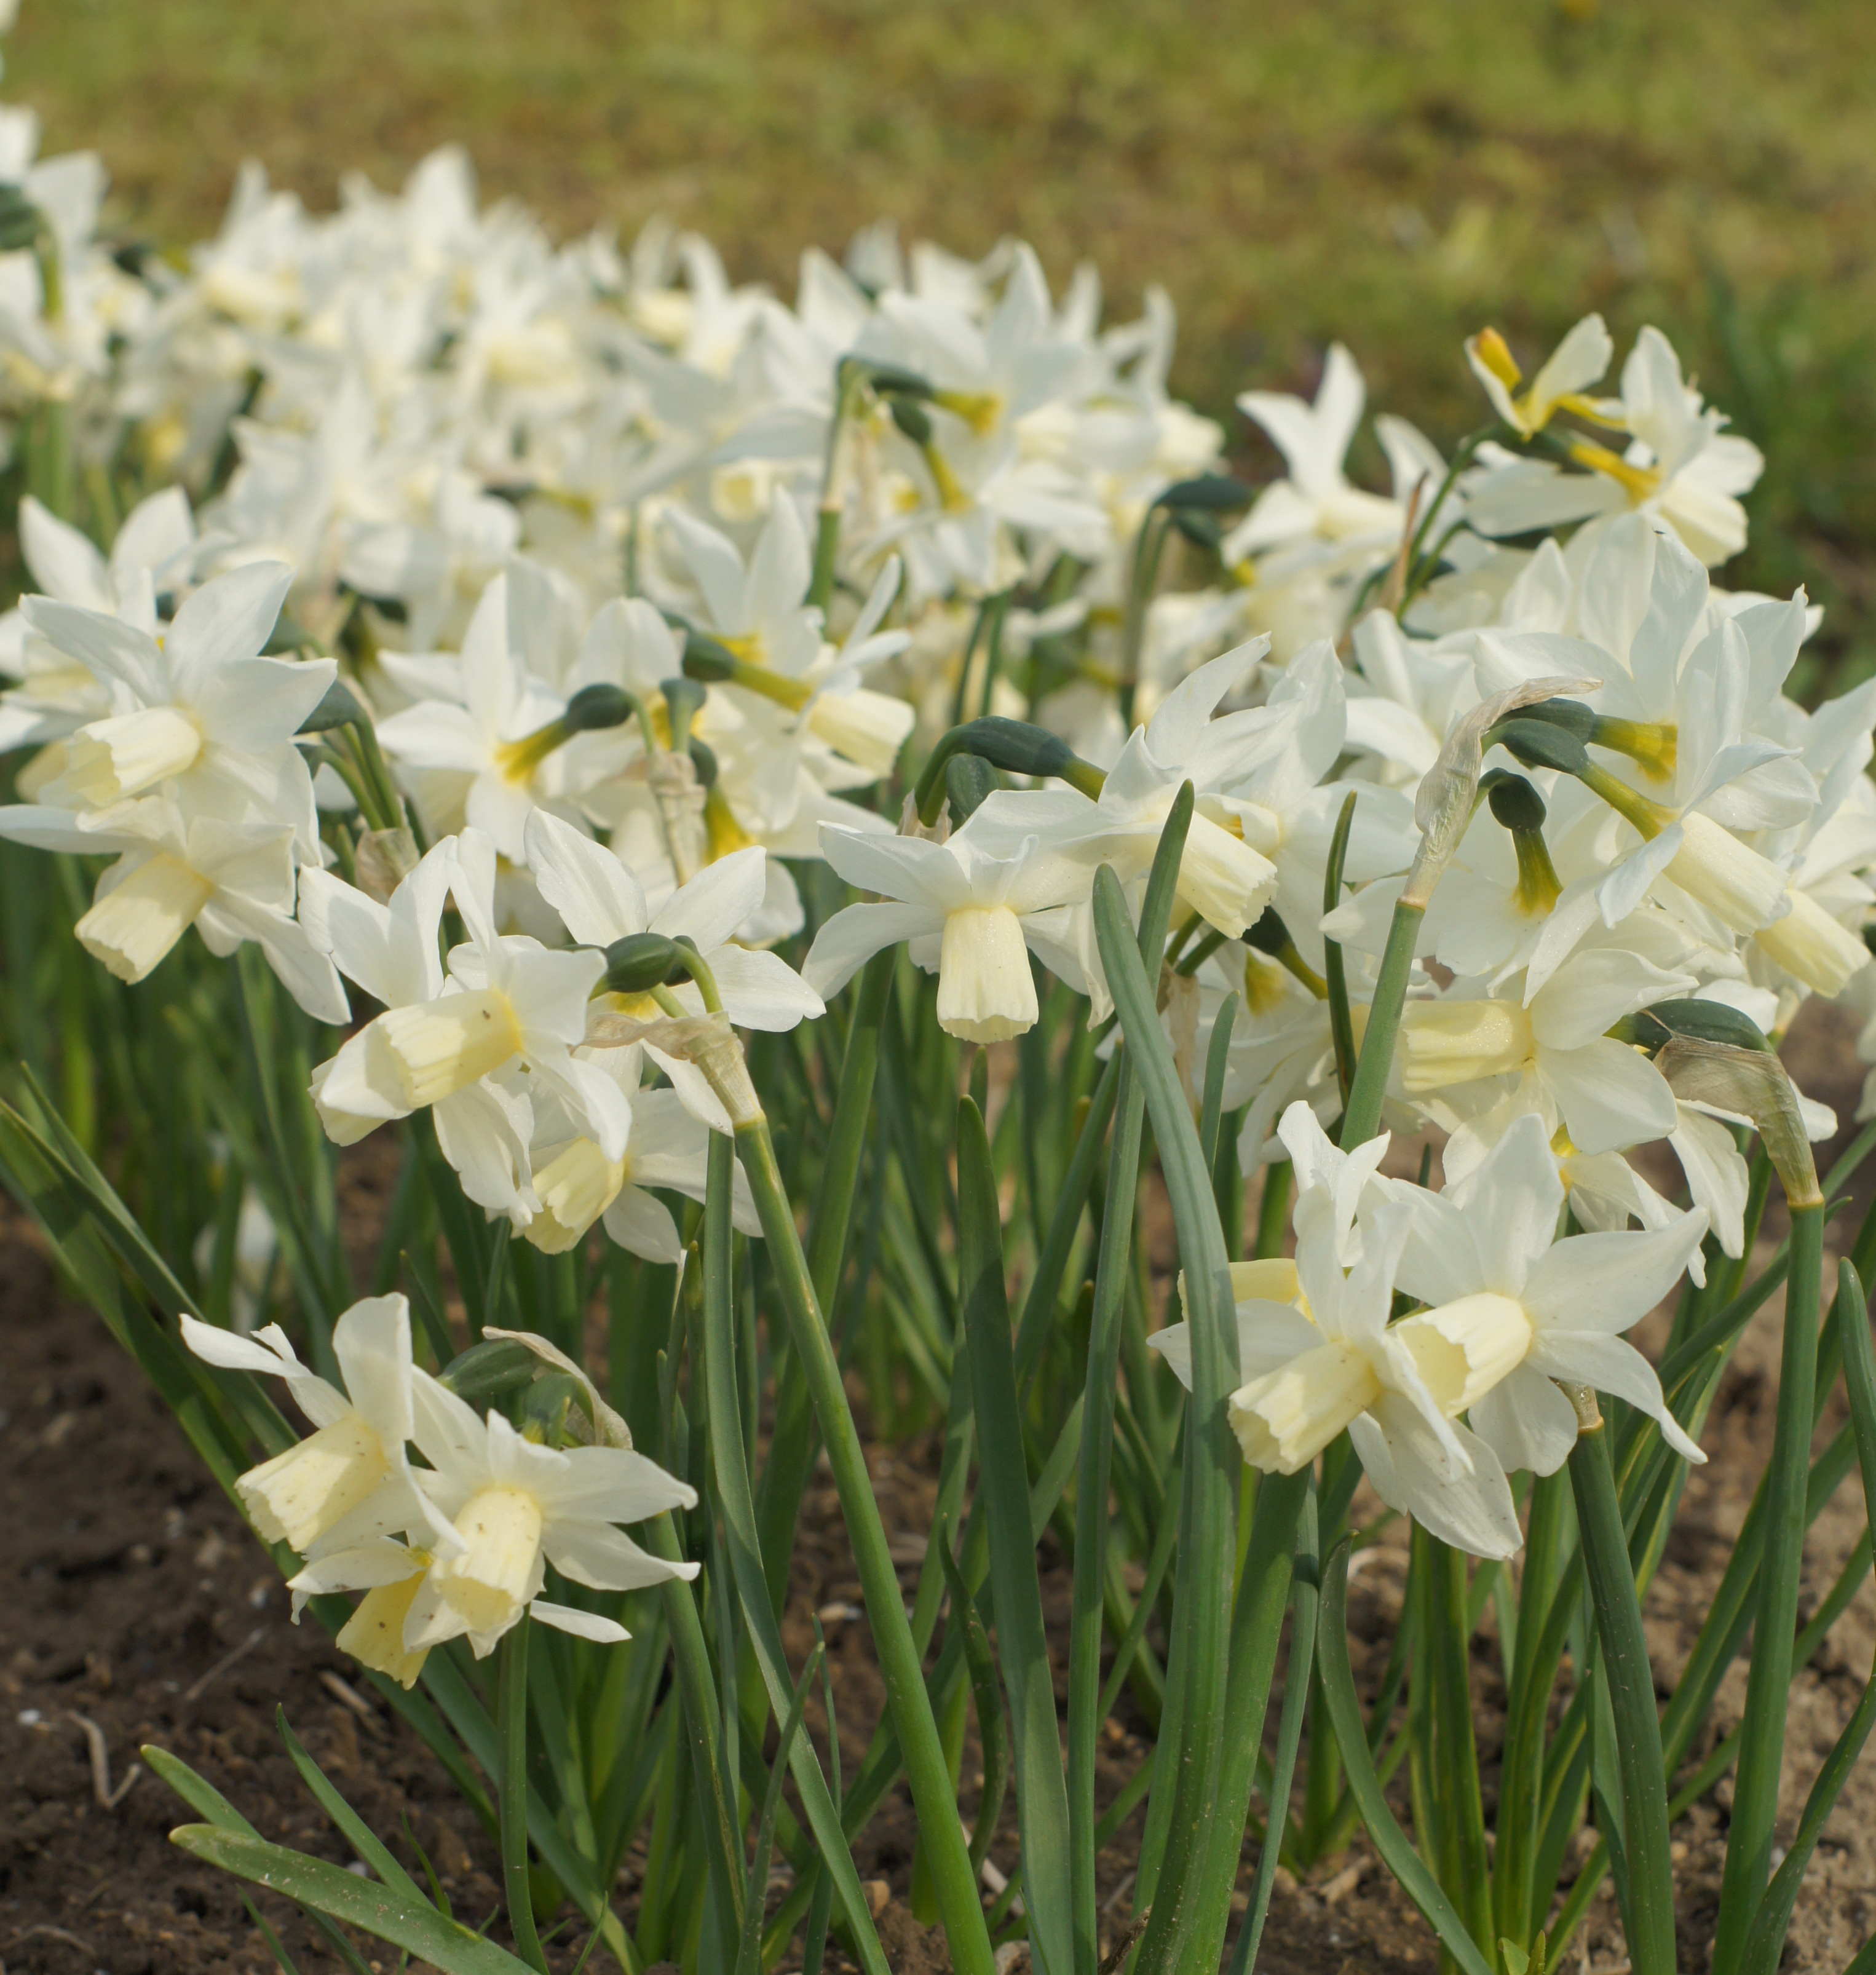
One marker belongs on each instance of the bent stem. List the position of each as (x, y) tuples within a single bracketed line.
[(953, 1882), (512, 1706), (1648, 1917)]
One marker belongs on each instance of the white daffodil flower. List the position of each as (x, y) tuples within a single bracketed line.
[(1609, 1094), (391, 952), (200, 716), (154, 553), (1317, 500), (517, 1507), (510, 1005), (1681, 470), (485, 743), (667, 1149), (1221, 877), (965, 911), (351, 1480), (1581, 359), (1513, 1309), (599, 901), (233, 882), (1341, 1368)]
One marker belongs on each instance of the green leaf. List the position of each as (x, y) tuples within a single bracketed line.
[(1755, 1781), (197, 1791), (749, 1955), (1351, 1731), (1766, 1942), (989, 1703), (734, 1498), (356, 1832), (1335, 972), (1042, 1796), (1623, 1671), (1306, 1599), (391, 1914), (1201, 1614)]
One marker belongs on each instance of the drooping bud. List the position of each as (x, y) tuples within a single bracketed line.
[(594, 707), (490, 1372), (638, 963), (338, 706), (1753, 1083), (1443, 804), (1012, 745)]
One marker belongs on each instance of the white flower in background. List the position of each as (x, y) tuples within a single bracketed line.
[(1581, 359), (1681, 469), (1317, 502), (351, 1479), (1513, 1309)]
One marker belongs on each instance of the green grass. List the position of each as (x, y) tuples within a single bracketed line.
[(1391, 175)]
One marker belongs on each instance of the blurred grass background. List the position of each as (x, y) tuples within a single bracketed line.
[(1391, 175)]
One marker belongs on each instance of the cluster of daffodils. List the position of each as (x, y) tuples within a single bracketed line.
[(1441, 1405), (457, 1547), (482, 607)]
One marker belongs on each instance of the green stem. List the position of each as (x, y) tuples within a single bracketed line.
[(511, 1705), (1361, 1119), (1457, 1801), (1520, 1789), (731, 1473), (1648, 1920), (1761, 1748), (697, 1695), (1091, 1496), (791, 1447), (953, 1882)]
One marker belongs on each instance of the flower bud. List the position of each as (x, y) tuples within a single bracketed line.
[(597, 706), (339, 708), (490, 1370), (638, 962), (1753, 1083)]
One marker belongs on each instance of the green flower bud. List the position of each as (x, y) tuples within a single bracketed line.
[(639, 962)]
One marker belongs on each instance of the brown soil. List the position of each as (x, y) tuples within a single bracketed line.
[(135, 1598)]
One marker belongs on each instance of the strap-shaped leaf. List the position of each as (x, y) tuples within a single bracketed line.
[(989, 1703), (1208, 1509), (1042, 1796), (393, 1915), (1344, 1711), (357, 1832), (196, 1791), (1306, 1599), (735, 1498), (749, 1955), (1766, 1941)]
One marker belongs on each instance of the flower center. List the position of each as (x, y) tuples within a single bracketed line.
[(439, 1047)]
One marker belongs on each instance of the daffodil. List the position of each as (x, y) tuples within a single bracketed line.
[(1512, 1309), (963, 912), (351, 1479)]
